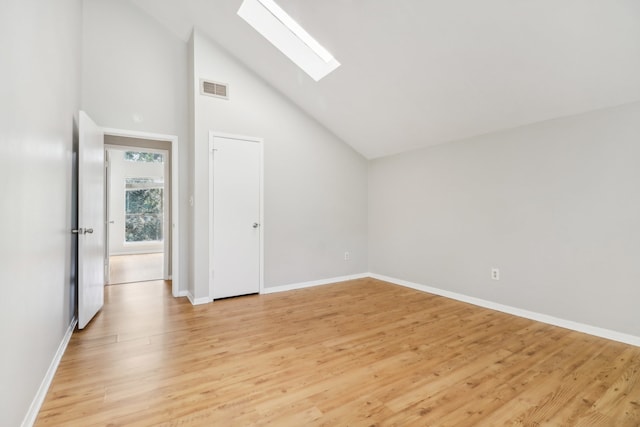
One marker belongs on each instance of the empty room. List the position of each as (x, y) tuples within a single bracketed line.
[(320, 213)]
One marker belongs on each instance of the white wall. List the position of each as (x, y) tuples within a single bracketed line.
[(315, 185), (134, 77), (120, 170), (556, 206), (39, 100)]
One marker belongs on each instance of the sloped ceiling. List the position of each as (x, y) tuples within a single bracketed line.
[(422, 72)]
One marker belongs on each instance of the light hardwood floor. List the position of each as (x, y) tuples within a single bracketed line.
[(358, 353), (135, 268)]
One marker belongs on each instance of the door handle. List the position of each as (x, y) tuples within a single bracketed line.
[(256, 225), (82, 231)]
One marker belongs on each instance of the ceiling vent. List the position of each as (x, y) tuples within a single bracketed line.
[(219, 90)]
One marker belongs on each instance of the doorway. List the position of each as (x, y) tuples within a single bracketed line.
[(141, 207), (137, 199)]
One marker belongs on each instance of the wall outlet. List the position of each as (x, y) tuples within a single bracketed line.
[(347, 256), (495, 273)]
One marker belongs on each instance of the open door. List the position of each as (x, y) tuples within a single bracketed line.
[(91, 221)]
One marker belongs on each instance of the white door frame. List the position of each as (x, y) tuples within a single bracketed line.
[(107, 207), (260, 141), (175, 196)]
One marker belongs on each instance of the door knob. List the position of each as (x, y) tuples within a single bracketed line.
[(256, 225), (82, 231)]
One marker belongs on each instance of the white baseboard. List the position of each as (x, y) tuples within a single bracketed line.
[(196, 301), (544, 318), (303, 285), (38, 400), (183, 294)]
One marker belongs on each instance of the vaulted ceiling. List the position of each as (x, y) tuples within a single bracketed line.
[(422, 72)]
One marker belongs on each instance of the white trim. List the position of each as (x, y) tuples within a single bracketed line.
[(139, 135), (544, 318), (232, 136), (262, 225), (175, 216), (38, 400), (260, 141), (183, 294), (175, 196), (294, 286), (107, 210), (196, 301)]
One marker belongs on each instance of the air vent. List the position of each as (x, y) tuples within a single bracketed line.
[(219, 90)]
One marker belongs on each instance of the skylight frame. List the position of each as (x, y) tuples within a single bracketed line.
[(281, 30)]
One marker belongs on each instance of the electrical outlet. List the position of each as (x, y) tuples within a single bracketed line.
[(347, 256), (495, 273)]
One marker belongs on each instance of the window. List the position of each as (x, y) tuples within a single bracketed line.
[(137, 156), (274, 24), (144, 217)]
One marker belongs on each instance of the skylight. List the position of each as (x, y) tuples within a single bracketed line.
[(274, 24)]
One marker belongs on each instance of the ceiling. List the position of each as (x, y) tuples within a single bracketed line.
[(416, 73)]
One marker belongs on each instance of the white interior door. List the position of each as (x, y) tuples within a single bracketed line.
[(236, 227), (91, 222)]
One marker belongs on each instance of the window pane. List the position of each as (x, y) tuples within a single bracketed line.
[(143, 228), (140, 182), (148, 200), (143, 215), (138, 156)]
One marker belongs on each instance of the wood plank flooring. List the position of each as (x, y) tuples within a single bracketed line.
[(135, 268), (358, 353)]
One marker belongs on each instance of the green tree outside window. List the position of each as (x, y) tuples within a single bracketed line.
[(143, 211), (137, 156)]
